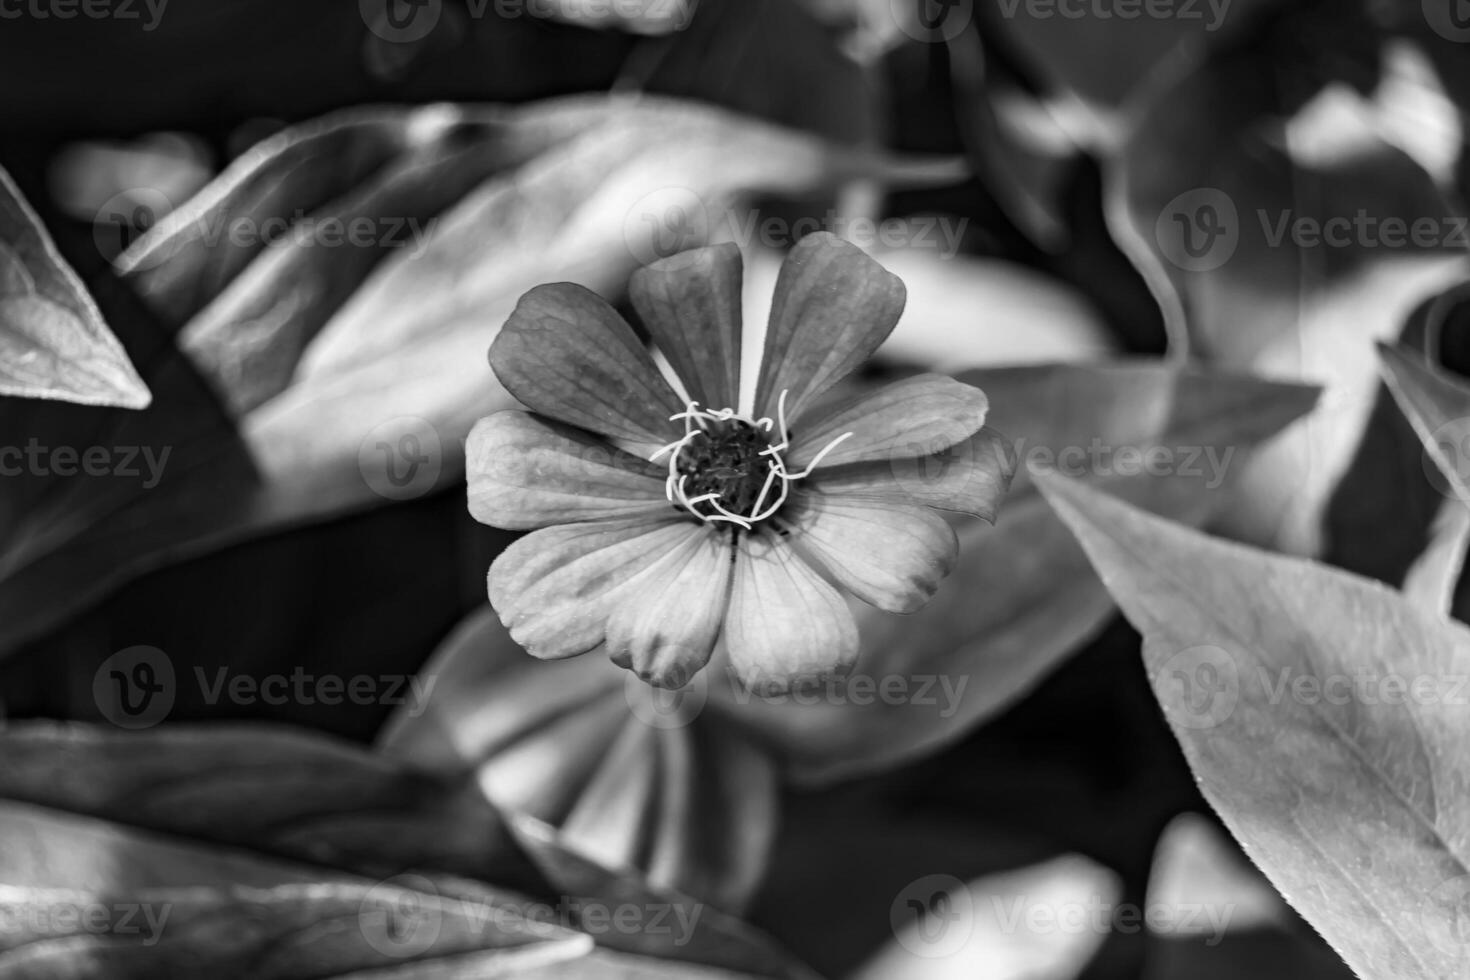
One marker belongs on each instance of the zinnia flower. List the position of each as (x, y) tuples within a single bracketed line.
[(664, 522)]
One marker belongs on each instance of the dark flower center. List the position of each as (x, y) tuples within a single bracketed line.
[(726, 468), (730, 459)]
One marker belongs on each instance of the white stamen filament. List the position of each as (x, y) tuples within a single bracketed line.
[(775, 465), (818, 458)]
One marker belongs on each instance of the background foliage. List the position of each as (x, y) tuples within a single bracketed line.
[(1072, 159)]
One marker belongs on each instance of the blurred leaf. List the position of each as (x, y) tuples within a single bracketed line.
[(1212, 915), (762, 57), (94, 900), (1020, 925), (1430, 582), (869, 28), (1097, 56), (1023, 596), (248, 304), (1274, 211), (273, 789), (1439, 410), (1250, 654), (606, 964), (1437, 30), (1381, 516), (1022, 150), (105, 493), (366, 372), (630, 776), (53, 340), (968, 313), (315, 800), (765, 58), (116, 184), (962, 312), (1204, 886), (644, 17), (713, 939)]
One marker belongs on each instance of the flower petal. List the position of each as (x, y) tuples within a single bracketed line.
[(556, 589), (568, 355), (690, 304), (785, 624), (665, 628), (526, 472), (970, 477), (890, 555), (917, 416), (617, 810), (832, 308)]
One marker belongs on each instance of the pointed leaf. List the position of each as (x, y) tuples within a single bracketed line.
[(1206, 885), (1018, 925), (1324, 717), (53, 341), (1439, 410), (1431, 581)]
